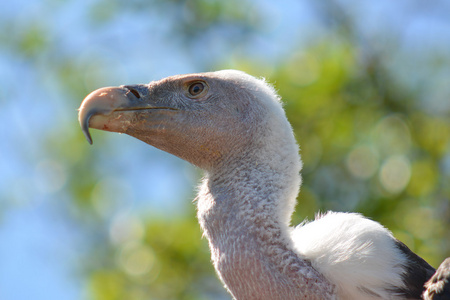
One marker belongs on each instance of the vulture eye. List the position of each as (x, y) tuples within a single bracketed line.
[(196, 88)]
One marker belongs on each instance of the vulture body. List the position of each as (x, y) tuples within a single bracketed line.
[(233, 126)]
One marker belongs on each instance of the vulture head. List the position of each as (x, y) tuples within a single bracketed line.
[(190, 115)]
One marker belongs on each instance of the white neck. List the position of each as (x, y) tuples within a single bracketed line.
[(244, 210)]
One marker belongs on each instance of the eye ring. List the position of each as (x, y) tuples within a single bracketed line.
[(196, 89)]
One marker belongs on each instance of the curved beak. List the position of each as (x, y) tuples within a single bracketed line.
[(116, 109), (101, 103)]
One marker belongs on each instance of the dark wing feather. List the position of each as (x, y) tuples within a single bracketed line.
[(417, 272)]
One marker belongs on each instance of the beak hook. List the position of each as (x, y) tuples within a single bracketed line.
[(85, 126)]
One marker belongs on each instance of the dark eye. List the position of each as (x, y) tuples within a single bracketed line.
[(196, 88)]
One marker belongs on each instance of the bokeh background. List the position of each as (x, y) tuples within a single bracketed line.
[(366, 85)]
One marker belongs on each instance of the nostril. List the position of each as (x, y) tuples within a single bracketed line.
[(136, 93)]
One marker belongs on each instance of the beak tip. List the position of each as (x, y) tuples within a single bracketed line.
[(89, 139), (84, 122), (88, 136)]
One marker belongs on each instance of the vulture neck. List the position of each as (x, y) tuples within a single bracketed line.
[(244, 209)]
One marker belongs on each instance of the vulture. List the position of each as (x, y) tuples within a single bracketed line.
[(233, 126)]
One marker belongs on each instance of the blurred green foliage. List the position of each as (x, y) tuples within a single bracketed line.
[(155, 259), (366, 146)]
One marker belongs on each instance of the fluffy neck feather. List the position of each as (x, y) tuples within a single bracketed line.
[(244, 209)]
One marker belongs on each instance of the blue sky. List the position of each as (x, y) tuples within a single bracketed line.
[(40, 250)]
